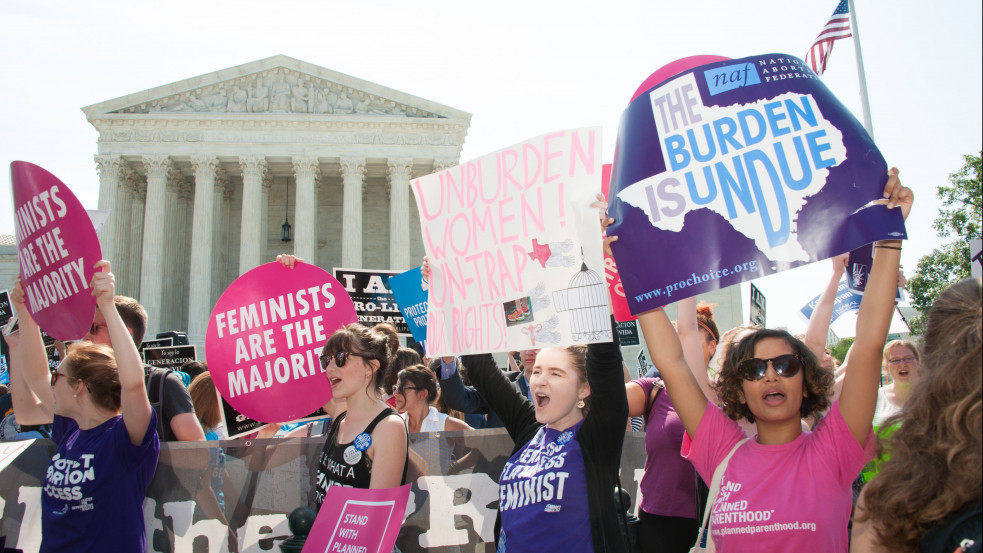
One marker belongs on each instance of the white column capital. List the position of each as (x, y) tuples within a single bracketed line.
[(253, 165), (352, 167), (157, 165), (306, 168), (400, 169), (110, 166), (204, 165), (441, 164)]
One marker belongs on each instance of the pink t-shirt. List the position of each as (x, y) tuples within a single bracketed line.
[(789, 497)]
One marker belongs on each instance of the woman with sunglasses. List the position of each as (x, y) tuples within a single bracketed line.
[(786, 489), (416, 392), (104, 429), (367, 445)]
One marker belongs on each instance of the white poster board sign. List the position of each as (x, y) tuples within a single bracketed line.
[(515, 250)]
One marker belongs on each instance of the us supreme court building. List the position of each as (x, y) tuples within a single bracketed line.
[(209, 177)]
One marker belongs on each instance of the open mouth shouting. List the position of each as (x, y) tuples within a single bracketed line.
[(774, 397), (542, 400)]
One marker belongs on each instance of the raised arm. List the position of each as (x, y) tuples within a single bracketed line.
[(30, 380), (135, 406), (818, 328), (666, 353), (859, 396), (456, 395), (689, 336)]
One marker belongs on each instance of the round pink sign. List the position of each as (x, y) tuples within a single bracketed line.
[(264, 337), (57, 249), (672, 69)]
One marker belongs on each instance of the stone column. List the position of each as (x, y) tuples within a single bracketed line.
[(306, 172), (137, 209), (251, 232), (171, 298), (152, 260), (185, 207), (399, 213), (123, 265), (199, 296), (264, 232), (110, 168), (218, 235), (353, 177)]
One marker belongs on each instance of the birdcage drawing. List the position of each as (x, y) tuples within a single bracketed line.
[(586, 300)]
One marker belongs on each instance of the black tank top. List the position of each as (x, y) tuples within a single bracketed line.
[(348, 464)]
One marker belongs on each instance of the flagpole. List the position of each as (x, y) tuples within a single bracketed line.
[(864, 102)]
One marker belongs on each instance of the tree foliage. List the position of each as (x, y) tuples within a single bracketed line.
[(960, 217), (839, 350)]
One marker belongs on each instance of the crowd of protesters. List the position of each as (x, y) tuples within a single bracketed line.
[(755, 439)]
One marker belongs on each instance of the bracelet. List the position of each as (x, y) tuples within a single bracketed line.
[(889, 247)]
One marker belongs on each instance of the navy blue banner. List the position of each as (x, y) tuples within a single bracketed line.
[(738, 169)]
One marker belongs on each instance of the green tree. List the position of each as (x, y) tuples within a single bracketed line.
[(961, 217), (839, 350)]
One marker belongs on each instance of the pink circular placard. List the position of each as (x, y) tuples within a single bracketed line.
[(674, 68), (57, 249), (264, 337)]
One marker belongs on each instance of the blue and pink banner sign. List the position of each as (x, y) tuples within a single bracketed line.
[(737, 169)]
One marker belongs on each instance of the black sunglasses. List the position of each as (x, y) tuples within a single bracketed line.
[(785, 366), (55, 375), (340, 358)]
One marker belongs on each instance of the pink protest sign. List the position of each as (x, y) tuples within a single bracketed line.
[(619, 304), (264, 337), (354, 520), (514, 248), (57, 248)]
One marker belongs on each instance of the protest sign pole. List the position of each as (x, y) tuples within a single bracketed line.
[(861, 76)]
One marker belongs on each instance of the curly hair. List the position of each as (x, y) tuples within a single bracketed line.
[(937, 452), (817, 382)]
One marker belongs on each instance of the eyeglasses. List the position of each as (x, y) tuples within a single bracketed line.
[(785, 366), (55, 375), (339, 358), (906, 360), (401, 390)]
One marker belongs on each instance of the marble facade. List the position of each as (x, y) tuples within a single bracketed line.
[(199, 175)]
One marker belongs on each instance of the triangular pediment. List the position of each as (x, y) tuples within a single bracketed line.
[(278, 85)]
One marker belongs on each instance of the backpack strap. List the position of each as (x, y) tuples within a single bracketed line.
[(154, 380), (652, 396)]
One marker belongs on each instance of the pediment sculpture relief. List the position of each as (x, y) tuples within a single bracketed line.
[(278, 91)]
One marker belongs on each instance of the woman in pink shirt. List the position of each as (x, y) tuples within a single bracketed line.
[(786, 489)]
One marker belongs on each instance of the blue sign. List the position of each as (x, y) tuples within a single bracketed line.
[(411, 296)]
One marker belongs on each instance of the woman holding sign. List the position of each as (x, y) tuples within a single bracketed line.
[(367, 445), (786, 489), (557, 490), (355, 361), (104, 429)]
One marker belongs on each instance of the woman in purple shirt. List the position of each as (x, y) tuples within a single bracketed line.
[(104, 428)]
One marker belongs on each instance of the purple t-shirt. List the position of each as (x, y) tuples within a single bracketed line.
[(94, 487), (669, 481), (543, 495)]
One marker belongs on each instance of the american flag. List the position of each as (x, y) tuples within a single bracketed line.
[(836, 28)]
